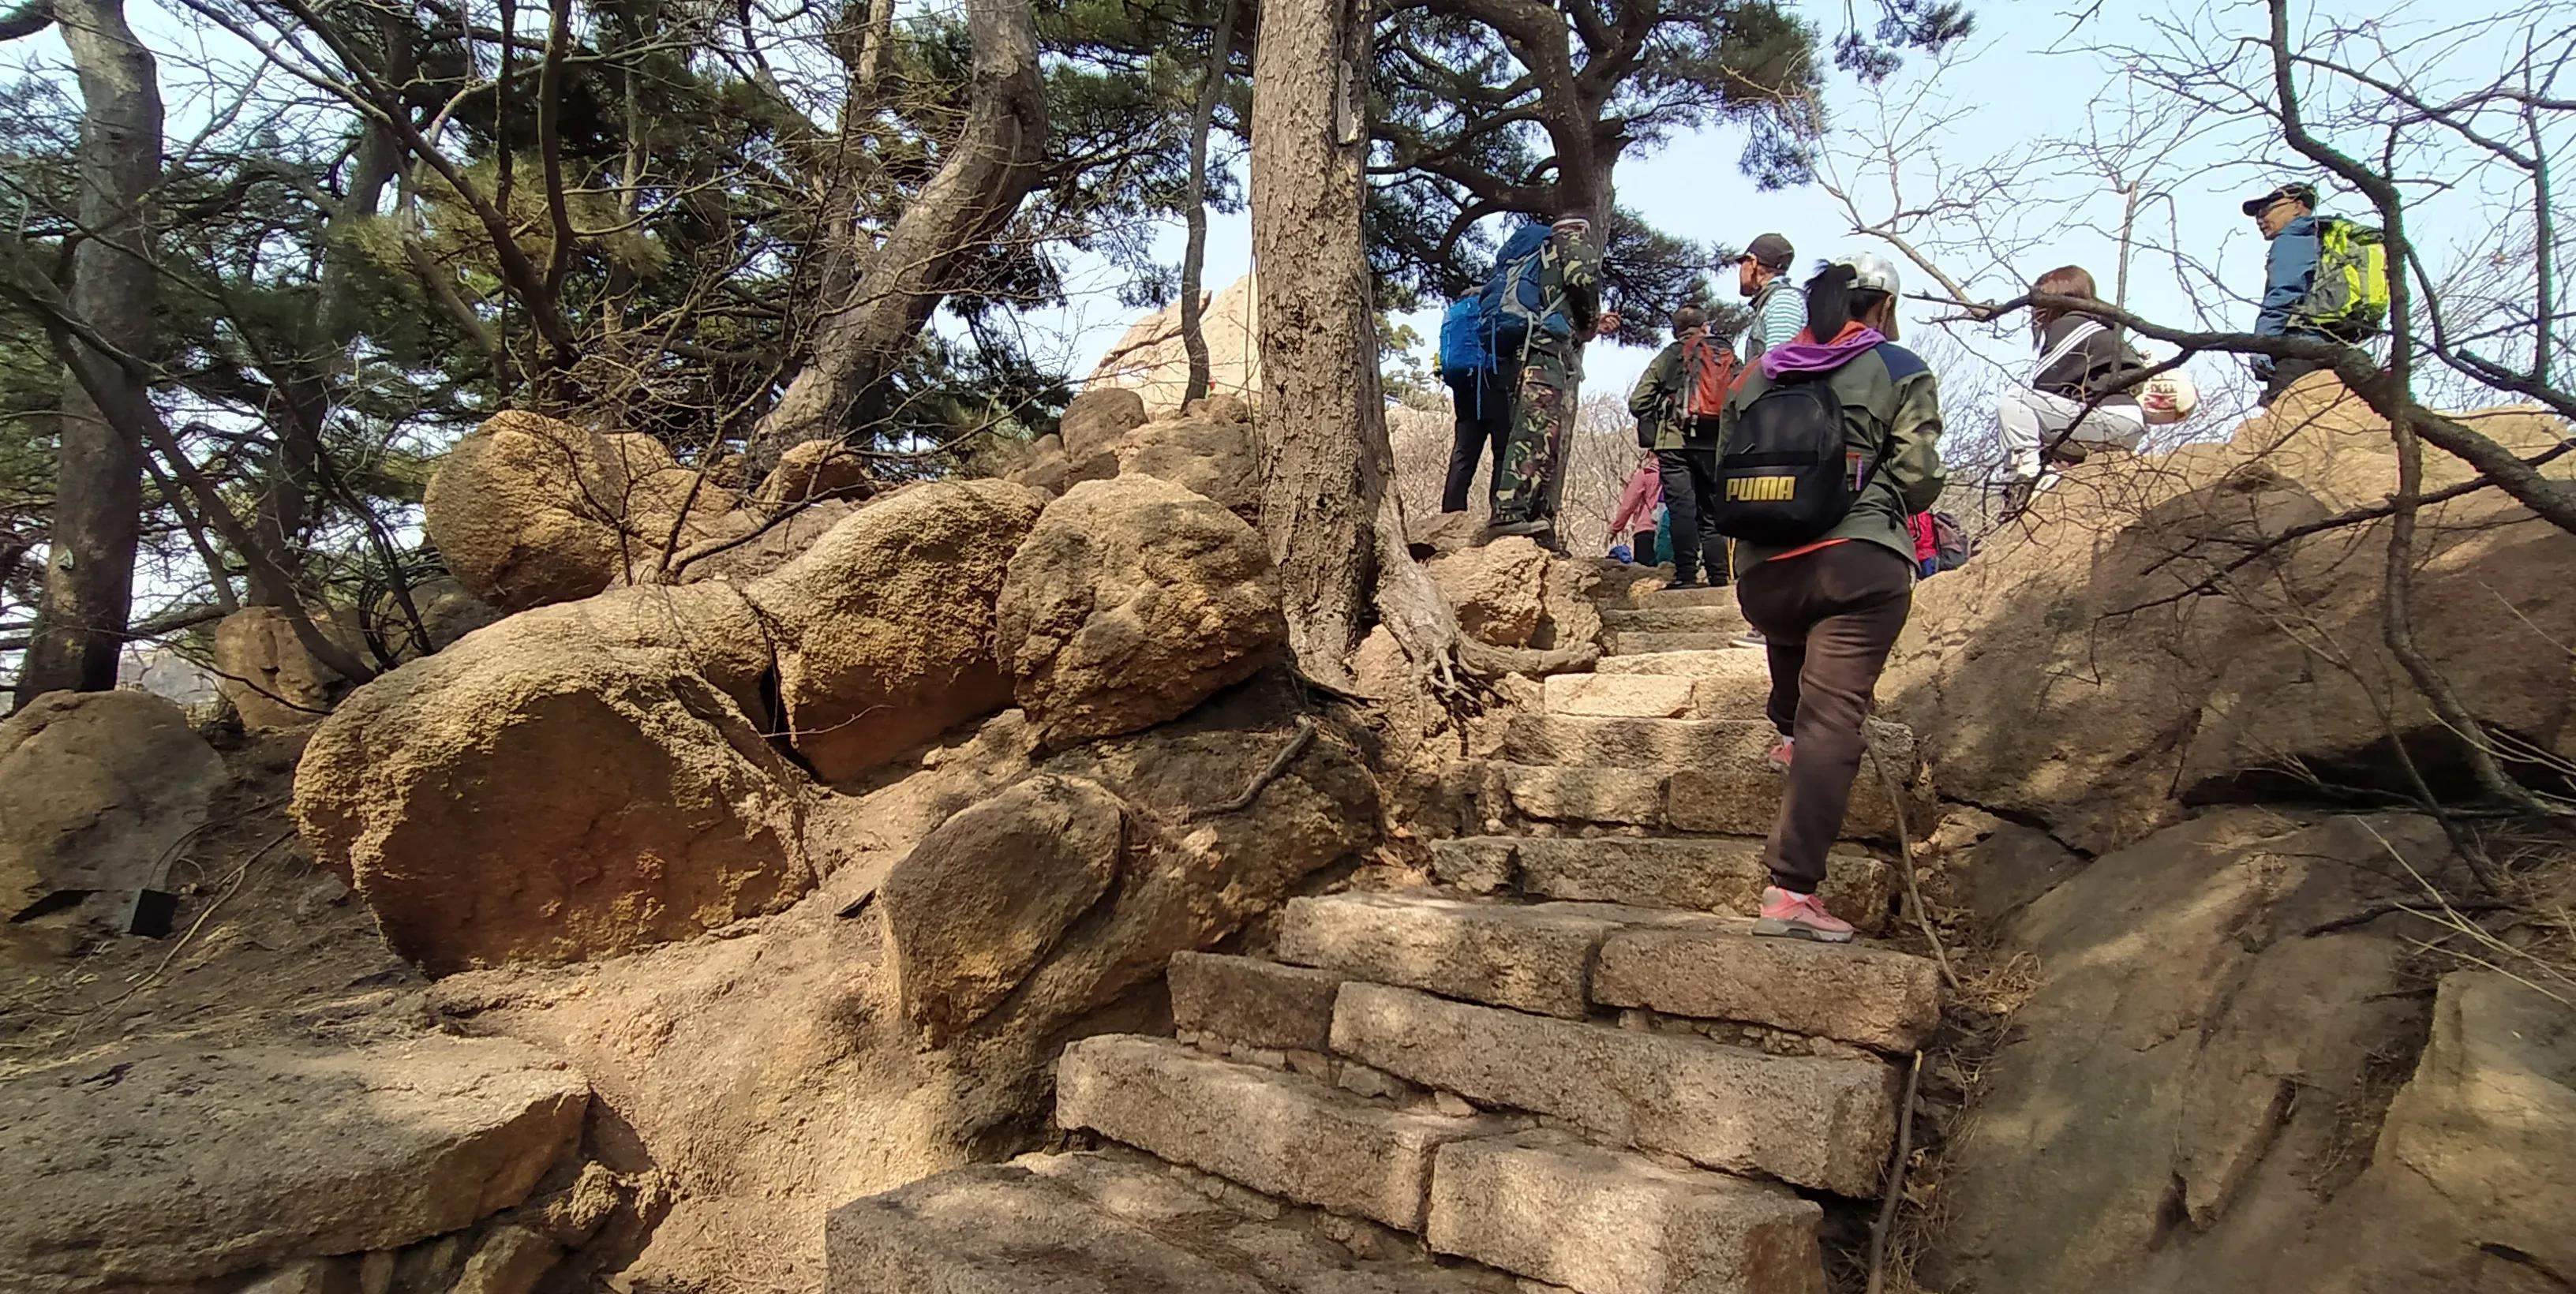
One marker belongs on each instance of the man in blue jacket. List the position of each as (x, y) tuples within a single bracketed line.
[(2288, 217)]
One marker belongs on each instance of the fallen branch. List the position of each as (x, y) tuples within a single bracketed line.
[(1905, 867), (1278, 764), (1895, 1191), (2377, 910)]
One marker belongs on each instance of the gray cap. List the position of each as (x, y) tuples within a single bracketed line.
[(1772, 252)]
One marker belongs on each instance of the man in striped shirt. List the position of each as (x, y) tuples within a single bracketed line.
[(1779, 310)]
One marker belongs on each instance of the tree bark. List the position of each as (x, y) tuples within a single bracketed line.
[(979, 185), (98, 504), (1334, 522), (1194, 256)]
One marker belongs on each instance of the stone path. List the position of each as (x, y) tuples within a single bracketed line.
[(1568, 1066)]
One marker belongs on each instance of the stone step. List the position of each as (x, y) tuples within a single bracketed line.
[(1566, 959), (1814, 1121), (1598, 1221), (1654, 598), (1533, 957), (1276, 1132), (1721, 780), (1580, 741), (1686, 690), (1748, 672), (1715, 874), (1252, 1002), (1870, 997), (1620, 696), (1633, 642), (1710, 617), (1110, 1223)]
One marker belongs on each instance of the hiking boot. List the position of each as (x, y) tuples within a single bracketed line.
[(2017, 496), (1751, 638), (1505, 529), (1781, 754), (2065, 452), (1683, 582), (1800, 916)]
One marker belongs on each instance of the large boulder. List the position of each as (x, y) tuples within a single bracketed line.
[(816, 469), (1212, 451), (2488, 1121), (2100, 667), (988, 894), (1094, 425), (1132, 601), (447, 612), (1151, 359), (1184, 876), (2188, 1091), (1499, 590), (885, 626), (528, 510), (1042, 465), (163, 1167), (96, 790), (272, 680), (748, 543), (573, 781)]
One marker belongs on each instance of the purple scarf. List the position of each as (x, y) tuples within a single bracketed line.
[(1810, 357)]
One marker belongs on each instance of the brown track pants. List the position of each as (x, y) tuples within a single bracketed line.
[(1830, 617)]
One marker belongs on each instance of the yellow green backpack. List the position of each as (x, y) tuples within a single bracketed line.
[(2349, 295)]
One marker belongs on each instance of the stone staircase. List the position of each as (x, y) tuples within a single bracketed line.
[(1567, 1066)]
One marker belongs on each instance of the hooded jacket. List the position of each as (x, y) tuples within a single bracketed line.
[(1891, 417)]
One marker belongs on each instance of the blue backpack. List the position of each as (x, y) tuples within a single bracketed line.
[(1464, 351), (1511, 302)]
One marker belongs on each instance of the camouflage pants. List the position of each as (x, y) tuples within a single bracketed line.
[(1533, 469)]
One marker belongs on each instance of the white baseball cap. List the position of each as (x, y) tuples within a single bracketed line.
[(1870, 270)]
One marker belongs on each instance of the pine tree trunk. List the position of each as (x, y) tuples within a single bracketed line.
[(1194, 256), (1328, 504), (987, 171), (98, 501)]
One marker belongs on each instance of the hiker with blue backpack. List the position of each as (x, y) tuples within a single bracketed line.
[(1826, 447), (1541, 305), (1481, 398), (2325, 278)]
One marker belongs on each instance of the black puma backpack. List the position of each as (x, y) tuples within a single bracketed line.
[(1783, 475)]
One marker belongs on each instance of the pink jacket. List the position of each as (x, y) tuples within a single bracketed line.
[(1637, 500), (1927, 542)]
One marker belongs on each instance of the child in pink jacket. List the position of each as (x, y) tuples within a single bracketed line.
[(1637, 503)]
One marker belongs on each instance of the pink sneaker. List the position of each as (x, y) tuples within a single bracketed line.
[(1782, 753), (1800, 916)]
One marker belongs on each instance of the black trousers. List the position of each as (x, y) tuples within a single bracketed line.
[(1484, 403), (1690, 494)]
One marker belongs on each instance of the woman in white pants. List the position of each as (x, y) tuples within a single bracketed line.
[(2079, 362)]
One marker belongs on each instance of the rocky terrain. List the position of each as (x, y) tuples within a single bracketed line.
[(800, 885)]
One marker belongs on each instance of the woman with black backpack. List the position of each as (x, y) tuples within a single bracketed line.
[(1828, 446)]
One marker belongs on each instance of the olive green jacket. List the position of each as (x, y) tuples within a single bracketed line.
[(1656, 400), (1892, 417), (1659, 398)]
